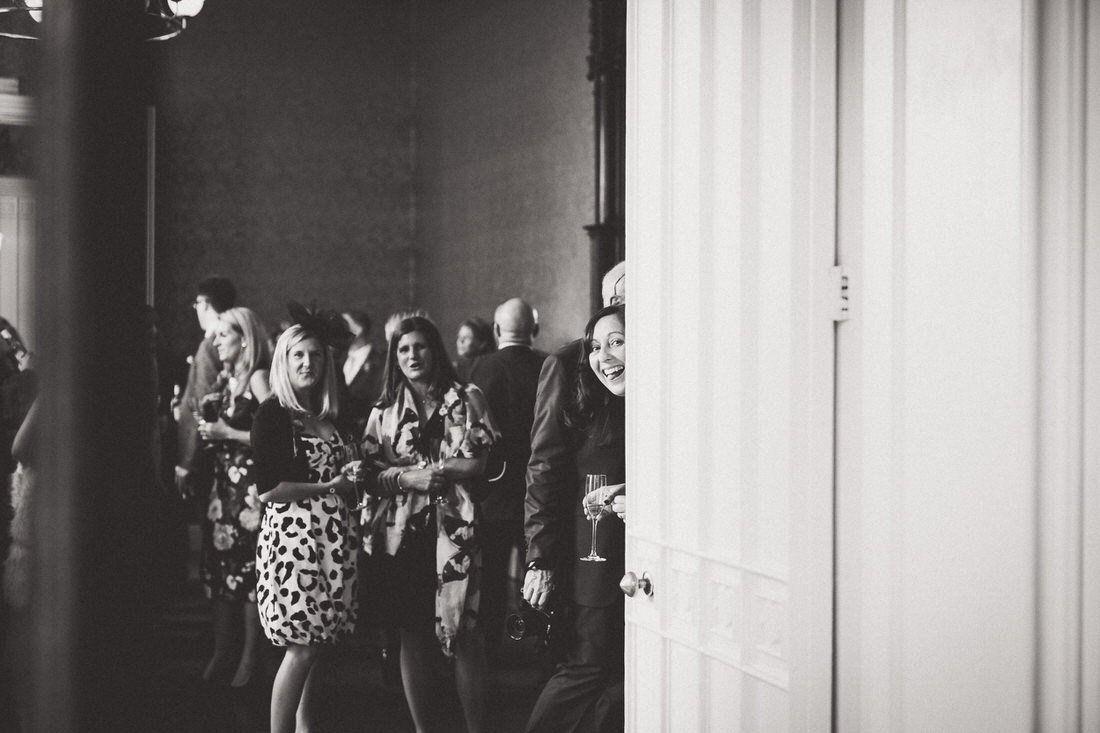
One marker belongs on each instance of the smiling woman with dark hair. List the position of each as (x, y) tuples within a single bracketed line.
[(586, 692)]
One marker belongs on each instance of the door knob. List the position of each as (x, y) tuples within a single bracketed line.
[(631, 584)]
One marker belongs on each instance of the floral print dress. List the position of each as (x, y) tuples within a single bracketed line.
[(435, 545), (307, 555), (228, 565)]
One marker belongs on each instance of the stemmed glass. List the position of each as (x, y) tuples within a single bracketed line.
[(594, 511), (437, 451), (352, 466)]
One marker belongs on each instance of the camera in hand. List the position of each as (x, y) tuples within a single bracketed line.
[(530, 622)]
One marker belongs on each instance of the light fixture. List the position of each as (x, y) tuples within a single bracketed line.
[(163, 19)]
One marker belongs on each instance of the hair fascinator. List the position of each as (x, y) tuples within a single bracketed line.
[(327, 325)]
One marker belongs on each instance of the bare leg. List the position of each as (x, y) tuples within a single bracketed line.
[(251, 651), (417, 653), (470, 678), (307, 708), (221, 612), (290, 680)]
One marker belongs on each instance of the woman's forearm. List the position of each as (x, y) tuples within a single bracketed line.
[(457, 469), (287, 491)]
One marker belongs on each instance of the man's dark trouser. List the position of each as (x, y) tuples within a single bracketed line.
[(586, 693)]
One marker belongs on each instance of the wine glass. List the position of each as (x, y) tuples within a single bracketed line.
[(437, 454), (594, 510), (351, 464)]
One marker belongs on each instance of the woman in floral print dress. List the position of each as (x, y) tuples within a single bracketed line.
[(306, 556), (228, 566), (430, 437)]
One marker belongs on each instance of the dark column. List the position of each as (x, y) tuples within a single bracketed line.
[(607, 71), (93, 511)]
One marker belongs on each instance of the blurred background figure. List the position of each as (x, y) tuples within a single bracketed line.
[(474, 339), (362, 371), (228, 564), (18, 387), (193, 471), (509, 378), (399, 315)]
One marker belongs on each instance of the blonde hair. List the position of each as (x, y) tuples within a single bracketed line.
[(255, 349), (397, 316), (280, 373)]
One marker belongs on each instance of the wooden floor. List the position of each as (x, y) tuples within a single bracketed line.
[(358, 698)]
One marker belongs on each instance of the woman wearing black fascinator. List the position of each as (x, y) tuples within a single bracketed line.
[(306, 553)]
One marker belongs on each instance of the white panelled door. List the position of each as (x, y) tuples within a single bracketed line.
[(731, 229)]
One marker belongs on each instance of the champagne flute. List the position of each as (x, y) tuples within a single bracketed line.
[(594, 510), (438, 455), (350, 456)]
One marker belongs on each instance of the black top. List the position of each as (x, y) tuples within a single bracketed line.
[(557, 532), (509, 378), (273, 448)]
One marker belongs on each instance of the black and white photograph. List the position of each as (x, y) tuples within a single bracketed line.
[(313, 366)]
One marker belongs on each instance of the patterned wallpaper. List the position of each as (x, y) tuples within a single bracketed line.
[(284, 158), (505, 161), (372, 155)]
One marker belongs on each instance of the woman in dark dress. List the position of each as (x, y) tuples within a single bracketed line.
[(306, 559), (586, 693), (228, 566), (429, 437)]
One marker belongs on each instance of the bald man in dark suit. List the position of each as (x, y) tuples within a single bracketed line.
[(509, 378)]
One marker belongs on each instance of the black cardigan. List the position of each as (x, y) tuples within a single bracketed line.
[(273, 449)]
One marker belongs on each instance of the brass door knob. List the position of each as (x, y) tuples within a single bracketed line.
[(631, 584)]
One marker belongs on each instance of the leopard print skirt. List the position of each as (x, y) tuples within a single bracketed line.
[(305, 559)]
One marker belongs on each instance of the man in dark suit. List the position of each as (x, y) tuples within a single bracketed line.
[(553, 493), (508, 377), (214, 295)]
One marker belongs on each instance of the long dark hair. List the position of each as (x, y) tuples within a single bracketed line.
[(593, 408), (443, 374)]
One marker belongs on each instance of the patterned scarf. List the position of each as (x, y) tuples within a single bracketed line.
[(393, 438)]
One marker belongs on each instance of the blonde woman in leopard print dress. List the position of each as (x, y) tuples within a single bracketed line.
[(306, 551)]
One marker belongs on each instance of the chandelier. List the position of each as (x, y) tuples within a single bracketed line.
[(162, 19)]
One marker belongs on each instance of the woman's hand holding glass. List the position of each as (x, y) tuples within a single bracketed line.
[(353, 471), (618, 504), (216, 430), (611, 498), (340, 485), (438, 450), (595, 487)]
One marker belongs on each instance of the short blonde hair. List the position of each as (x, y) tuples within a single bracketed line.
[(280, 373)]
